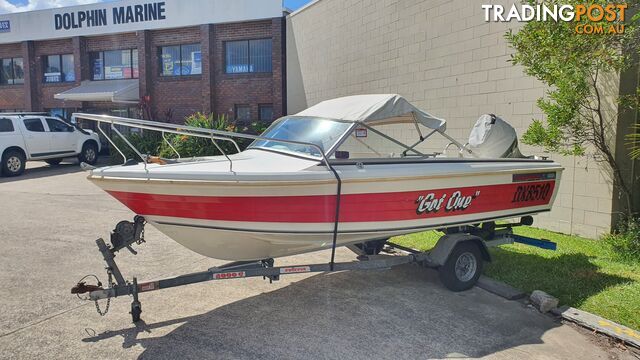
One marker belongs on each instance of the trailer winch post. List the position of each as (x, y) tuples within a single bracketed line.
[(112, 267)]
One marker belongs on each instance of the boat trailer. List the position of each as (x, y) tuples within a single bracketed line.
[(458, 255)]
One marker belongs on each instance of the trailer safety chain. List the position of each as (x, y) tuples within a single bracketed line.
[(106, 309)]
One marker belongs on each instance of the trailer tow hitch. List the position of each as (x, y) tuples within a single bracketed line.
[(82, 287)]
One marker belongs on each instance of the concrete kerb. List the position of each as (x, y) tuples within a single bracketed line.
[(576, 316)]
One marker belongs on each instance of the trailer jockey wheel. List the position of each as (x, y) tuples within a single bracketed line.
[(136, 307), (136, 310), (372, 247), (462, 268)]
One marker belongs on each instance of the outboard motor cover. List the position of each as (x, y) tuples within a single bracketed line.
[(492, 137)]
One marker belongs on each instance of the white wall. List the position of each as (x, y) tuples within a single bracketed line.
[(443, 57)]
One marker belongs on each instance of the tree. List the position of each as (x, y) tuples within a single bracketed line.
[(575, 67)]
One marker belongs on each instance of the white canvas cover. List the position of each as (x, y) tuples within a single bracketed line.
[(492, 137), (373, 108)]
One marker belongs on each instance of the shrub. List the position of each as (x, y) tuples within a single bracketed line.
[(188, 146), (147, 142), (625, 240), (257, 128)]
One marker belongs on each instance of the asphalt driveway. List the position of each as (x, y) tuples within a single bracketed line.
[(51, 217)]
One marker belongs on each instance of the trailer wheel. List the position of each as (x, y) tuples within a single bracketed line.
[(462, 268), (136, 310)]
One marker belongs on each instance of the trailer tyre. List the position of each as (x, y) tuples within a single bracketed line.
[(136, 310), (462, 268)]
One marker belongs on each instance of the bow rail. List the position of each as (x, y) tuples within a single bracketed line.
[(178, 129)]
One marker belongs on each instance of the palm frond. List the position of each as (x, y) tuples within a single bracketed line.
[(633, 142)]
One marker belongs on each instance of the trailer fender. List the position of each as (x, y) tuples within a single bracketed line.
[(440, 253)]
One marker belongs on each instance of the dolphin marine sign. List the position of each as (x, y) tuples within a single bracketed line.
[(118, 15)]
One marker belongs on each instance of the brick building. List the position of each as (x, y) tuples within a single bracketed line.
[(212, 56)]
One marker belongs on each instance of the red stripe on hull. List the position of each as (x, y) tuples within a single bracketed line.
[(393, 206)]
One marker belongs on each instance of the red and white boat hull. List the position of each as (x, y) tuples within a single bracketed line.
[(267, 215)]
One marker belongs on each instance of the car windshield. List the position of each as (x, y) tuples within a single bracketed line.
[(322, 132)]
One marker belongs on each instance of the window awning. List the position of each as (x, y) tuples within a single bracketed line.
[(117, 91)]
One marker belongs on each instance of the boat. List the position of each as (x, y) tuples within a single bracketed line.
[(348, 171)]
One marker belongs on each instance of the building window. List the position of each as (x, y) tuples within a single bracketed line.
[(265, 112), (59, 68), (114, 64), (248, 56), (6, 125), (178, 60), (34, 125), (243, 112), (12, 71)]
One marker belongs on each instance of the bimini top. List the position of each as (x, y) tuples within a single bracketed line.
[(373, 108)]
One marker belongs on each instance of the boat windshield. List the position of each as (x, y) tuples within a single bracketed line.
[(319, 131)]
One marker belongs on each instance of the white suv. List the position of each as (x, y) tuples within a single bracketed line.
[(25, 137)]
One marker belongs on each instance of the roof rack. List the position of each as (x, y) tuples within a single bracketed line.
[(23, 113)]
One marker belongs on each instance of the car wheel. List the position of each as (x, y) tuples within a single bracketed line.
[(462, 268), (13, 163), (53, 162), (89, 153)]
